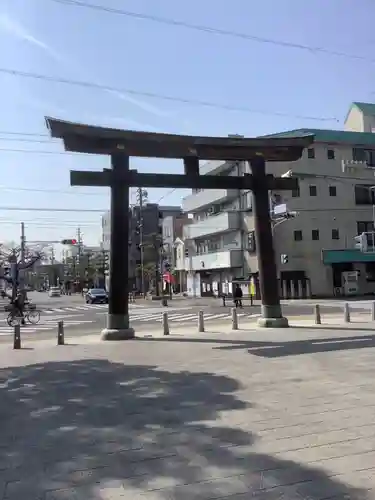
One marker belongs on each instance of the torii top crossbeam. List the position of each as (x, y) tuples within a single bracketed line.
[(83, 138)]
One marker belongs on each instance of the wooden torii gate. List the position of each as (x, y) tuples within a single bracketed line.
[(120, 145)]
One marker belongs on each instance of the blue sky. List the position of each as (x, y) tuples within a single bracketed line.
[(47, 37)]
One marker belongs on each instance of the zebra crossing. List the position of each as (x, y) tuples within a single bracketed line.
[(81, 308), (185, 317), (45, 324)]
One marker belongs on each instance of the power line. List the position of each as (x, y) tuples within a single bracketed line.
[(154, 95), (166, 194), (31, 134), (33, 209), (57, 191), (33, 141), (39, 152), (213, 30)]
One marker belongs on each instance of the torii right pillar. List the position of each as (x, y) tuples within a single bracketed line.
[(269, 289)]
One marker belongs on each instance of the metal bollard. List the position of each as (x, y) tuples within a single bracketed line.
[(200, 321), (234, 319), (165, 324), (346, 313), (318, 318), (60, 333), (17, 337), (373, 311)]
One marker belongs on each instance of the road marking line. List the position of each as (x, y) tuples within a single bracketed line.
[(189, 317), (217, 316)]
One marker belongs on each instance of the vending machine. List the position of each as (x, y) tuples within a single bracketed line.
[(350, 282)]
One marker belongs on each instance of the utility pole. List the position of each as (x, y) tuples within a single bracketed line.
[(78, 259), (79, 241), (23, 243), (22, 260), (142, 196)]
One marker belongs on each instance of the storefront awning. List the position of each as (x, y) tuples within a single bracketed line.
[(347, 255)]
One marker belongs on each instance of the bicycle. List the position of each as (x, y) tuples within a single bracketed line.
[(15, 318)]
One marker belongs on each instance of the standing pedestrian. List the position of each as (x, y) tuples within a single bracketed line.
[(238, 296)]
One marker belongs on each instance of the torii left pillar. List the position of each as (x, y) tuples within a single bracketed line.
[(118, 326)]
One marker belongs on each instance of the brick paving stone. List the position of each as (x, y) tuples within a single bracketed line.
[(270, 414)]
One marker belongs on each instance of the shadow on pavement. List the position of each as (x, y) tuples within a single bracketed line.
[(279, 349), (74, 429)]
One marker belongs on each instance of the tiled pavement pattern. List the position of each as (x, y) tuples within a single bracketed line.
[(286, 415)]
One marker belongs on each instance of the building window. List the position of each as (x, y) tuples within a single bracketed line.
[(296, 193), (364, 226), (311, 153), (332, 191), (298, 235), (365, 155), (331, 154), (313, 191), (364, 195), (315, 234), (335, 234)]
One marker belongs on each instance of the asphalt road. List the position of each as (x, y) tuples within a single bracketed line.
[(81, 318)]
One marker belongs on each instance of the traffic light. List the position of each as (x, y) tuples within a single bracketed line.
[(106, 261), (251, 242), (69, 242), (284, 258)]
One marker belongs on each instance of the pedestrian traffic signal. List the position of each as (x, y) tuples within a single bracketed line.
[(69, 242)]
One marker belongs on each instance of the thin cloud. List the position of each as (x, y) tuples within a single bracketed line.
[(143, 105), (16, 29)]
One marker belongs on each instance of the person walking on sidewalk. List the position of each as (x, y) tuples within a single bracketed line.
[(238, 296)]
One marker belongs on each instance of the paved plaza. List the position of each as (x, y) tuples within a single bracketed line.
[(262, 414)]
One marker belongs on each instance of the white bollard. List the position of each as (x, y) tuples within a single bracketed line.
[(300, 290), (318, 318), (285, 290), (200, 321), (234, 319), (165, 324), (373, 311), (346, 313), (308, 289)]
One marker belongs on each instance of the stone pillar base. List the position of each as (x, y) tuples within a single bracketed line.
[(273, 322), (117, 334), (117, 328), (272, 317)]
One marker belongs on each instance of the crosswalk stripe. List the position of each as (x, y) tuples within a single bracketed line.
[(217, 316)]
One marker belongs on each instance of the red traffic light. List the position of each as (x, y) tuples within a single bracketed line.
[(69, 242)]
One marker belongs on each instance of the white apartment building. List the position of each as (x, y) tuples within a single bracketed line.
[(334, 203)]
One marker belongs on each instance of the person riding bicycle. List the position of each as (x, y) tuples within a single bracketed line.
[(19, 306)]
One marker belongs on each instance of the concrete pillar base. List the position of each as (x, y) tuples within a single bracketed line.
[(273, 322), (272, 317), (117, 328), (117, 334)]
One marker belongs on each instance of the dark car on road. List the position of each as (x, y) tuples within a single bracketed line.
[(96, 296)]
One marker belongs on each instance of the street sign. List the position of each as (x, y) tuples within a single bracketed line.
[(280, 209)]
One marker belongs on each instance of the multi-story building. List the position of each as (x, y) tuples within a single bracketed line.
[(314, 250), (152, 216)]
